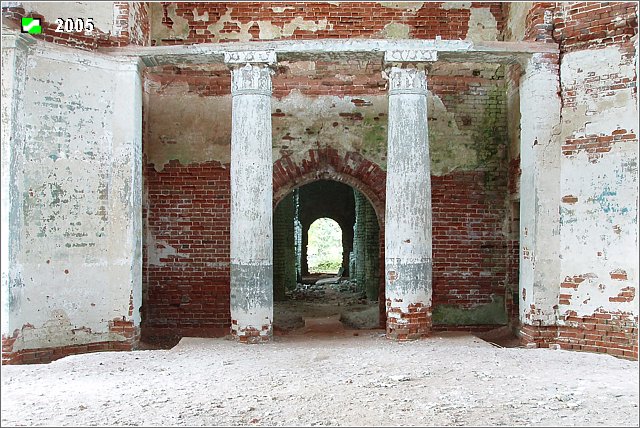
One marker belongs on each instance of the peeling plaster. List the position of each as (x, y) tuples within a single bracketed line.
[(411, 6), (179, 29), (159, 249), (603, 229), (395, 30), (201, 18), (242, 35), (367, 135), (448, 5), (540, 251), (602, 224), (180, 126), (449, 151), (278, 9), (516, 21), (183, 128), (269, 31), (597, 111), (482, 25), (59, 330), (79, 191)]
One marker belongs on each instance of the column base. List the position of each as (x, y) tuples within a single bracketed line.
[(410, 324), (613, 339), (44, 355), (251, 334)]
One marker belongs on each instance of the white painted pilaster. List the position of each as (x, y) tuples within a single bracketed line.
[(15, 49)]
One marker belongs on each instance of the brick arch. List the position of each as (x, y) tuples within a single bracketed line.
[(354, 170), (326, 164)]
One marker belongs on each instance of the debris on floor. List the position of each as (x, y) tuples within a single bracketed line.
[(342, 299)]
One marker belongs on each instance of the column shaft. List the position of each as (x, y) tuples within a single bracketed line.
[(540, 153), (251, 204), (408, 207)]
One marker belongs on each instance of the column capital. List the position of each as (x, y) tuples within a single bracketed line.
[(251, 79), (406, 80), (406, 70), (250, 71)]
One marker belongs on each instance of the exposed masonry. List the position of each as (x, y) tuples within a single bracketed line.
[(533, 160), (284, 247), (366, 245), (325, 198), (178, 23)]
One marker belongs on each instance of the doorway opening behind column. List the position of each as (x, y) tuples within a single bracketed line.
[(326, 260)]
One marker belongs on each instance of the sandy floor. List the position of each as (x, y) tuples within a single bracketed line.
[(324, 379)]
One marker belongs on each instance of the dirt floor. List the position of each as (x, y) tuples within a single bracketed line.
[(340, 301), (356, 378)]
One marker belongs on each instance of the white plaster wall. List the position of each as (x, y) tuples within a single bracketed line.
[(599, 232), (79, 188)]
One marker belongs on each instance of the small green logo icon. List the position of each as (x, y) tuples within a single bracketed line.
[(31, 26)]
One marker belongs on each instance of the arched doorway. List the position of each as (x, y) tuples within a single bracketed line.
[(350, 168), (327, 257)]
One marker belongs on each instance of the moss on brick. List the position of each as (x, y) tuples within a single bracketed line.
[(490, 313)]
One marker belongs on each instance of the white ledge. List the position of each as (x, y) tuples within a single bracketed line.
[(335, 50)]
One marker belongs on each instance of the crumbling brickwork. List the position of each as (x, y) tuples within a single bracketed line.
[(188, 23), (598, 142)]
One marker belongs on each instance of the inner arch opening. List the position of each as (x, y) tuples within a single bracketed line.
[(324, 247)]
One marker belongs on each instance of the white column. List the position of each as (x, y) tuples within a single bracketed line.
[(408, 266), (251, 196), (540, 154)]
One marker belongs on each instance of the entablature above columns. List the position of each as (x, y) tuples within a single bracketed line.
[(337, 50)]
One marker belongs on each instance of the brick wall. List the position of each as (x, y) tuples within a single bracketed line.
[(513, 190), (608, 333), (45, 355), (583, 25), (189, 23), (366, 244), (139, 28), (469, 247), (284, 250), (470, 208), (186, 250)]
